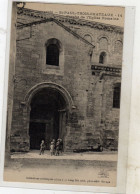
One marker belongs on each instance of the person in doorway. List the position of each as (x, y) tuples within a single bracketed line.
[(52, 146), (54, 141), (60, 145), (57, 148), (42, 147)]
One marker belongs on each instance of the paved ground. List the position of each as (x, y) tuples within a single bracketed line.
[(90, 168), (99, 156)]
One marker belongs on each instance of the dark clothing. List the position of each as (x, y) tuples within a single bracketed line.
[(57, 149), (61, 146)]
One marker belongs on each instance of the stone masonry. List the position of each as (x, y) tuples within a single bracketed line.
[(85, 84)]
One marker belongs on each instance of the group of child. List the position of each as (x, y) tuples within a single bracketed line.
[(55, 147)]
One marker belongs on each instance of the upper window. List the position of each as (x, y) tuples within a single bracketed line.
[(116, 95), (52, 55), (52, 52), (102, 58)]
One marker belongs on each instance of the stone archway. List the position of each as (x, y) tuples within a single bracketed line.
[(46, 108)]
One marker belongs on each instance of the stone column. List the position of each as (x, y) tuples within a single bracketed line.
[(25, 131), (98, 101), (10, 82)]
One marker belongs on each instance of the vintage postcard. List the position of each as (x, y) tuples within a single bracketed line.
[(64, 94)]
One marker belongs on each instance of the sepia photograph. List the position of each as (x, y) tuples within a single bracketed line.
[(64, 94)]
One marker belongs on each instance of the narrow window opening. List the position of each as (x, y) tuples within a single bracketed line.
[(52, 55), (102, 58), (116, 96)]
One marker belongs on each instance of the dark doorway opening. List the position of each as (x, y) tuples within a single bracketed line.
[(47, 117), (37, 133)]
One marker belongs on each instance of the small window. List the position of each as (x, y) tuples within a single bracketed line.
[(116, 95), (52, 55), (102, 58)]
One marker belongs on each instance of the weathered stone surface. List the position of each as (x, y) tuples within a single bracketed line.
[(93, 119)]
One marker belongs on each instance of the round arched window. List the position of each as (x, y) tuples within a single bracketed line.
[(102, 58), (52, 55), (52, 52)]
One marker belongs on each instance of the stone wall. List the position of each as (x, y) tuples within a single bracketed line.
[(31, 70), (12, 59), (112, 46), (93, 120)]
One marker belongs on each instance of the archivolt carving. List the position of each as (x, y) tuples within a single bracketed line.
[(103, 36), (59, 88)]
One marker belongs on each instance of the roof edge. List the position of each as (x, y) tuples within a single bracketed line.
[(70, 19), (58, 23)]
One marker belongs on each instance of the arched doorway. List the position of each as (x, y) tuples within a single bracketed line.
[(47, 117)]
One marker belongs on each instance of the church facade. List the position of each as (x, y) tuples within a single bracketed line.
[(67, 82)]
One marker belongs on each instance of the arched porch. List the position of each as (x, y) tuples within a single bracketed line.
[(46, 110)]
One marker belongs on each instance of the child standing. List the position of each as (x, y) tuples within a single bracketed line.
[(57, 148), (61, 145), (42, 147), (52, 148)]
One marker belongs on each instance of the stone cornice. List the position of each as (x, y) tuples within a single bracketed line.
[(100, 71), (106, 68), (71, 20)]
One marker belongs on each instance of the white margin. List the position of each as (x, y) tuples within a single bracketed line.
[(125, 109)]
